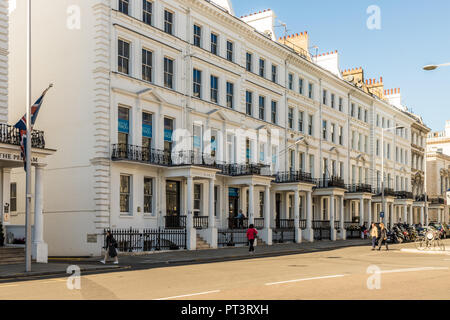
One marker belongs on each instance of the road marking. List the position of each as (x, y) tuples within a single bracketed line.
[(189, 295), (414, 269), (306, 279)]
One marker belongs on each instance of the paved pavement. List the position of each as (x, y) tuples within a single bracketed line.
[(222, 254), (17, 271), (347, 273)]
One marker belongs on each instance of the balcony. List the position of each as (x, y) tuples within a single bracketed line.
[(437, 201), (404, 195), (294, 176), (235, 170), (420, 198), (140, 154), (11, 135), (333, 182), (359, 188), (388, 192), (129, 152)]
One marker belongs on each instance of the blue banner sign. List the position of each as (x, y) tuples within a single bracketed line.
[(147, 131), (124, 126), (168, 135)]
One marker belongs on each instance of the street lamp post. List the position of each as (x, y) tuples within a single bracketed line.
[(432, 67), (382, 168), (28, 242), (429, 68)]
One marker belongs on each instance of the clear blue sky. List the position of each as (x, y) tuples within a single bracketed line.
[(413, 34)]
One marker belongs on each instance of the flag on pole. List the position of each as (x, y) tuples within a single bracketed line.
[(22, 125)]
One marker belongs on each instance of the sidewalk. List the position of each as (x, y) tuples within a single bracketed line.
[(58, 265), (17, 271), (155, 259)]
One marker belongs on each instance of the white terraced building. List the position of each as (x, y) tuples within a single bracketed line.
[(10, 157), (174, 113)]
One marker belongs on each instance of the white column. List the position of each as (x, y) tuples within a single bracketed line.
[(411, 215), (439, 213), (267, 215), (342, 220), (212, 218), (40, 248), (332, 217), (191, 232), (422, 216), (226, 206), (212, 230), (267, 231), (391, 215), (251, 203), (308, 232), (369, 213), (361, 211), (298, 231), (405, 213)]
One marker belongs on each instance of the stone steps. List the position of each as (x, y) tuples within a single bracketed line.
[(11, 255), (202, 244)]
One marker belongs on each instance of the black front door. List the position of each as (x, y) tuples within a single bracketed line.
[(233, 205), (173, 204), (277, 209)]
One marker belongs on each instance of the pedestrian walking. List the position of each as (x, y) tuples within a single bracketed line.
[(240, 219), (383, 237), (251, 236), (110, 248), (363, 231), (374, 235)]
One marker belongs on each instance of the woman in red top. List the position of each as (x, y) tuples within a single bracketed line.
[(251, 236)]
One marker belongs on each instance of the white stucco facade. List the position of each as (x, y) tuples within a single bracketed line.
[(95, 117)]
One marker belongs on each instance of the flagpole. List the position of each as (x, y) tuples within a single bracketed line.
[(28, 245)]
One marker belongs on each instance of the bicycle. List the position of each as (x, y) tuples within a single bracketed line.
[(430, 241)]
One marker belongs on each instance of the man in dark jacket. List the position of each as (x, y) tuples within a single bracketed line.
[(110, 248), (383, 237)]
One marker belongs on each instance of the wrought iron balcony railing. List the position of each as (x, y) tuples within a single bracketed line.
[(404, 195), (420, 198), (332, 182), (388, 192), (11, 135), (243, 169), (140, 154), (437, 201), (359, 188), (293, 176), (161, 157)]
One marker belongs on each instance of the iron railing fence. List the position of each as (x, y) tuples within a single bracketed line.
[(332, 182), (420, 198), (11, 135), (235, 170), (359, 188), (404, 195), (337, 225), (201, 222), (283, 235), (236, 223), (175, 222), (321, 224), (284, 223), (130, 152), (133, 240), (437, 201), (231, 237), (294, 176), (388, 192)]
